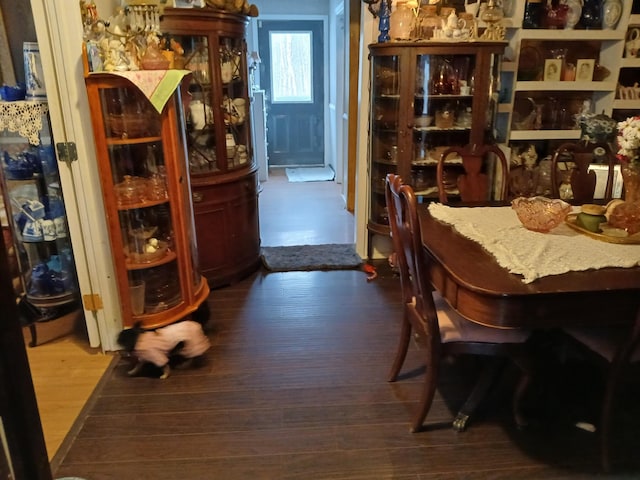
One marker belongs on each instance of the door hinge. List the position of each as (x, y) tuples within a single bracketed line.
[(67, 151), (92, 302)]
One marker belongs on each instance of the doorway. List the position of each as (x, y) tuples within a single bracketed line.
[(292, 75)]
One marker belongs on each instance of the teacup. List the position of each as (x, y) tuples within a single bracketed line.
[(632, 44)]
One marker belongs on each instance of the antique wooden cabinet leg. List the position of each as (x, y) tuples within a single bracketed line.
[(33, 333)]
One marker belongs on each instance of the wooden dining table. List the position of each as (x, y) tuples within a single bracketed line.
[(479, 288)]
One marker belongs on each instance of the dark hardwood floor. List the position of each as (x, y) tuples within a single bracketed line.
[(294, 387)]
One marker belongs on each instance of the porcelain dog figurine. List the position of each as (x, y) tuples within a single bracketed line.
[(185, 338)]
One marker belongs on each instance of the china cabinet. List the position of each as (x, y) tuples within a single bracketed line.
[(145, 186), (32, 196), (426, 97), (222, 163)]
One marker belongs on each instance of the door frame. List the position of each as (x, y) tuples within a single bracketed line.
[(325, 60), (59, 32)]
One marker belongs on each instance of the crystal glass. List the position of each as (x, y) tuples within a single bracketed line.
[(540, 214)]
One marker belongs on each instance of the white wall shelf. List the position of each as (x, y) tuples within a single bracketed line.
[(566, 86), (545, 134), (626, 104), (607, 46)]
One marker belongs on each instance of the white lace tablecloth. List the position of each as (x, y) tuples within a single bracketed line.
[(532, 254)]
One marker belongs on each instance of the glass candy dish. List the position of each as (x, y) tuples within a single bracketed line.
[(540, 214)]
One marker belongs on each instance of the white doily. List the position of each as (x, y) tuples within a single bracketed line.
[(532, 254), (24, 117)]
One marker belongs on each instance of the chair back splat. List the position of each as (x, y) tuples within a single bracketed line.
[(441, 329), (473, 184)]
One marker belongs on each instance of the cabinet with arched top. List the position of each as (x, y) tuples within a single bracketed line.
[(222, 163), (142, 161)]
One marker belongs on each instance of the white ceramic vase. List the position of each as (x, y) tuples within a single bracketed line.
[(611, 12), (472, 8), (573, 13)]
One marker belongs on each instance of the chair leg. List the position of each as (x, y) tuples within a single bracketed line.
[(428, 392), (606, 416), (518, 416), (525, 365), (479, 392), (401, 351)]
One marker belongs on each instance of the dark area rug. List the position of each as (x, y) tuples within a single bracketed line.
[(332, 256)]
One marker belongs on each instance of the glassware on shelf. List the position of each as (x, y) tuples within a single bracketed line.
[(401, 23), (533, 14), (555, 16), (445, 116), (444, 80), (199, 63), (464, 118), (591, 14)]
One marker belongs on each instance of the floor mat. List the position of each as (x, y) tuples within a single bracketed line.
[(333, 256), (310, 174)]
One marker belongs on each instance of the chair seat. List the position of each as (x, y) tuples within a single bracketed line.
[(603, 341), (456, 328)]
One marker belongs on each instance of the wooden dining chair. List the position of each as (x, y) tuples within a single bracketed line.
[(474, 185), (579, 156), (616, 348), (440, 329)]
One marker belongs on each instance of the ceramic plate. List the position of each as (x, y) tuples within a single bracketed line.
[(530, 64), (631, 239)]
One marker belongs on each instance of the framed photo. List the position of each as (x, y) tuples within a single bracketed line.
[(584, 69), (552, 69)]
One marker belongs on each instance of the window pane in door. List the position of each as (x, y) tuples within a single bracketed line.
[(291, 67)]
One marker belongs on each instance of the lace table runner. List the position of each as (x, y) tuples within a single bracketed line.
[(24, 117), (532, 254)]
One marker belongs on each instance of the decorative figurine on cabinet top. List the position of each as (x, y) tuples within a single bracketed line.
[(383, 12), (234, 6), (492, 16)]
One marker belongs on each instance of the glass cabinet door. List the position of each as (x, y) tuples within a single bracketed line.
[(139, 183), (33, 201), (219, 97), (426, 98), (384, 134)]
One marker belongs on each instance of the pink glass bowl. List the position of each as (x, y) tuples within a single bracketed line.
[(540, 214)]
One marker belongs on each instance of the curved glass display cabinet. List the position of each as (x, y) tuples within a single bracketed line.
[(145, 185), (224, 173), (426, 97)]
